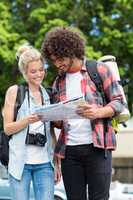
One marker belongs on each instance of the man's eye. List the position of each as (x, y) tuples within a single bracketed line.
[(61, 59)]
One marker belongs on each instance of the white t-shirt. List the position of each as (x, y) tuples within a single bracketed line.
[(80, 131)]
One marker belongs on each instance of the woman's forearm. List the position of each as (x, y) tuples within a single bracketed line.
[(14, 127)]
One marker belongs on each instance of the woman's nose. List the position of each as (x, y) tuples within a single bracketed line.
[(39, 73)]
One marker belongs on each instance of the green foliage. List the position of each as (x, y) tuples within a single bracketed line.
[(106, 25)]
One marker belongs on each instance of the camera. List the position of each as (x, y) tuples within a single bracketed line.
[(37, 139)]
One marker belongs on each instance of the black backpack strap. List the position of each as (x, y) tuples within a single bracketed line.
[(20, 98), (91, 66)]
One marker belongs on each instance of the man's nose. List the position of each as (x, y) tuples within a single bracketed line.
[(58, 63)]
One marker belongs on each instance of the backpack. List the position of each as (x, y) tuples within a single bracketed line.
[(4, 139), (109, 60)]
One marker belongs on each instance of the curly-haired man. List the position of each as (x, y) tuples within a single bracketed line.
[(83, 142)]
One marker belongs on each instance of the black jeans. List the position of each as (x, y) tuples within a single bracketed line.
[(85, 168)]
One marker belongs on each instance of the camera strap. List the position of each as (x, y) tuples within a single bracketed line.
[(42, 100)]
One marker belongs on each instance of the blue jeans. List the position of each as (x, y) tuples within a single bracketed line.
[(42, 177)]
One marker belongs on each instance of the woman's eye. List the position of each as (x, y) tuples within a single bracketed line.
[(42, 69)]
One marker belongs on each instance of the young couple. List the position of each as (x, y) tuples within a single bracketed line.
[(83, 145)]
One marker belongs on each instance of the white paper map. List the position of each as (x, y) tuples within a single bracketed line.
[(60, 111)]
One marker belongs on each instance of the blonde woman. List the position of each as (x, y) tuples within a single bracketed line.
[(28, 161)]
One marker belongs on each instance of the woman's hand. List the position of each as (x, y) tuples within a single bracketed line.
[(12, 127), (57, 170), (32, 118)]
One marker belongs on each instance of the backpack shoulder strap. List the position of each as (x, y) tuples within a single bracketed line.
[(91, 66), (22, 88)]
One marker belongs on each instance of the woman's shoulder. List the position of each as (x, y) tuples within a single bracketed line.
[(10, 96), (12, 90), (11, 93)]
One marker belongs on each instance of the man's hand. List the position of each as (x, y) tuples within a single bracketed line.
[(92, 111), (88, 111)]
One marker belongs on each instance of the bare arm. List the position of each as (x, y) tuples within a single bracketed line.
[(52, 131), (11, 126), (57, 170)]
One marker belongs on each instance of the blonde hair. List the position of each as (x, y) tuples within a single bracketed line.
[(26, 54)]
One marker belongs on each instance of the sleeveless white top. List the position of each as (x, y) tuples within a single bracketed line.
[(36, 154)]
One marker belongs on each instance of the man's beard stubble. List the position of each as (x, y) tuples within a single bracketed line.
[(62, 72)]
